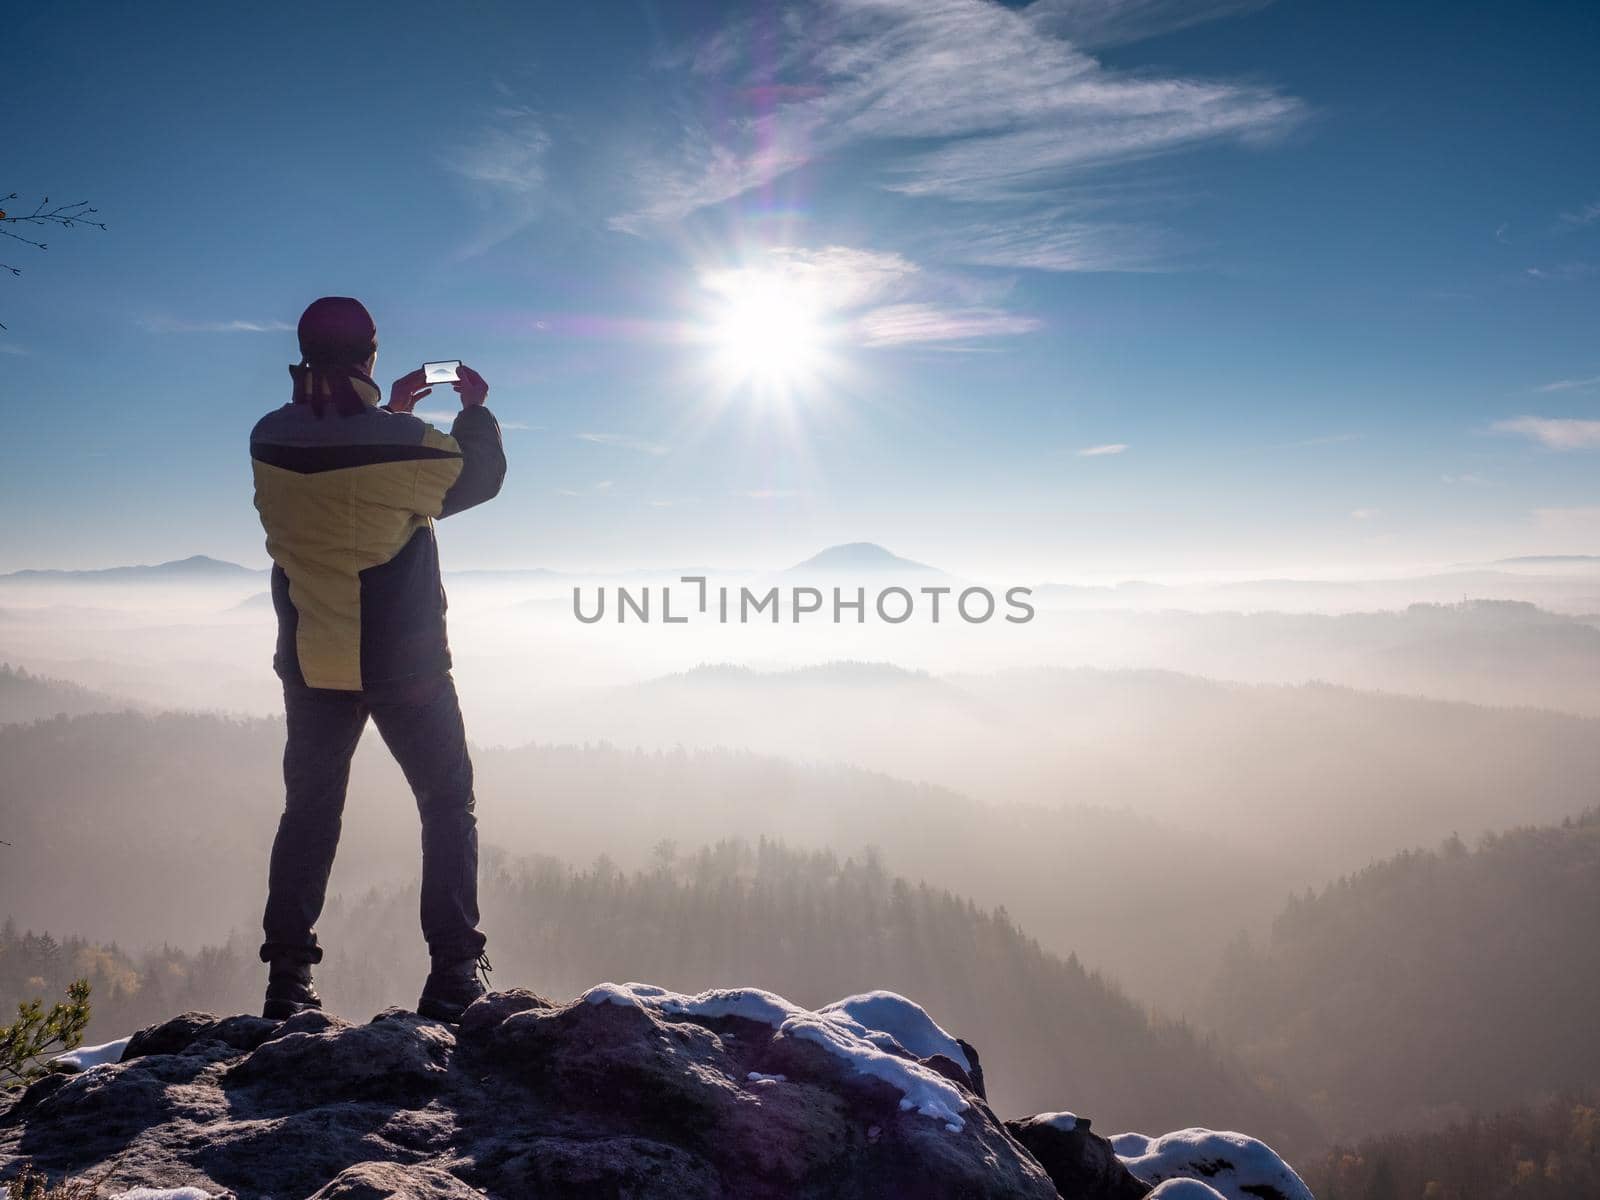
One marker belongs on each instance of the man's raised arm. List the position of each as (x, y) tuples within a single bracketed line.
[(471, 461), (483, 459)]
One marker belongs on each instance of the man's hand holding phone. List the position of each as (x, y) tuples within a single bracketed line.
[(471, 387), (407, 390)]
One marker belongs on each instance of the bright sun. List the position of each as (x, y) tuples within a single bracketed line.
[(766, 331)]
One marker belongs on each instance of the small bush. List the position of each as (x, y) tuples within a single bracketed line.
[(37, 1033), (33, 1185)]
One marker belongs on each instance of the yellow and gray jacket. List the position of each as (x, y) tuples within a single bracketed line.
[(347, 503)]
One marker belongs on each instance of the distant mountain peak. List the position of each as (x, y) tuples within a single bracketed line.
[(859, 556), (196, 565)]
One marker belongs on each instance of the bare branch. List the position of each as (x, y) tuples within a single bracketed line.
[(67, 216)]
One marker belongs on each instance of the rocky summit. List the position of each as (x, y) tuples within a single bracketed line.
[(628, 1091)]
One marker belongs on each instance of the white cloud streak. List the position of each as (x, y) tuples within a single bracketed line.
[(1051, 241), (1568, 385), (1554, 433), (901, 324), (1577, 219), (623, 442), (594, 489), (1102, 451), (174, 325), (446, 419), (1564, 272), (1327, 439)]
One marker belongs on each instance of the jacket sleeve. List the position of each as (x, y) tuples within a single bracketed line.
[(482, 466)]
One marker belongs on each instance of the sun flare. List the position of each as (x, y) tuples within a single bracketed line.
[(765, 330)]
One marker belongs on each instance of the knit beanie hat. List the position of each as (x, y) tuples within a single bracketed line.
[(337, 331)]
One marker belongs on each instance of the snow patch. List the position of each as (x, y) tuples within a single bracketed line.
[(1064, 1121), (833, 1028), (750, 1003), (1236, 1166), (85, 1057), (929, 1093), (144, 1193), (1185, 1189), (759, 1077), (906, 1022)]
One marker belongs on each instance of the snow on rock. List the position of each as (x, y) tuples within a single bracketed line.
[(923, 1090), (752, 1004), (1082, 1164), (1185, 1189), (907, 1023), (144, 1193), (1064, 1121), (1237, 1166), (85, 1057), (833, 1028)]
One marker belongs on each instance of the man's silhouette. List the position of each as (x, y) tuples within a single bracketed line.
[(347, 493)]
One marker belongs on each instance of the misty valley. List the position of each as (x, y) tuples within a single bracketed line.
[(1327, 871)]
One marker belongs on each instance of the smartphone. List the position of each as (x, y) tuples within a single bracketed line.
[(442, 372)]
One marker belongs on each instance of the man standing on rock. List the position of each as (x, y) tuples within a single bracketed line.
[(347, 492)]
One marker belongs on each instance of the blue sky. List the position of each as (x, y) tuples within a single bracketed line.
[(1088, 286)]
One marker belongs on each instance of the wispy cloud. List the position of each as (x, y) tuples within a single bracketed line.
[(1564, 272), (1018, 108), (1578, 218), (509, 154), (622, 441), (899, 324), (1102, 451), (1467, 478), (594, 489), (1096, 23), (175, 325), (1568, 385), (1365, 514), (1326, 439), (10, 348), (446, 419), (504, 165), (1051, 241), (1555, 433), (768, 493), (705, 172)]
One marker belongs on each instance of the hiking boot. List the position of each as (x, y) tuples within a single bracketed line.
[(289, 990), (451, 987)]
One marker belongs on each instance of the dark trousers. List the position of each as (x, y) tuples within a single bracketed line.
[(420, 721)]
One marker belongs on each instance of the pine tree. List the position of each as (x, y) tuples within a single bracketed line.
[(36, 1033)]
